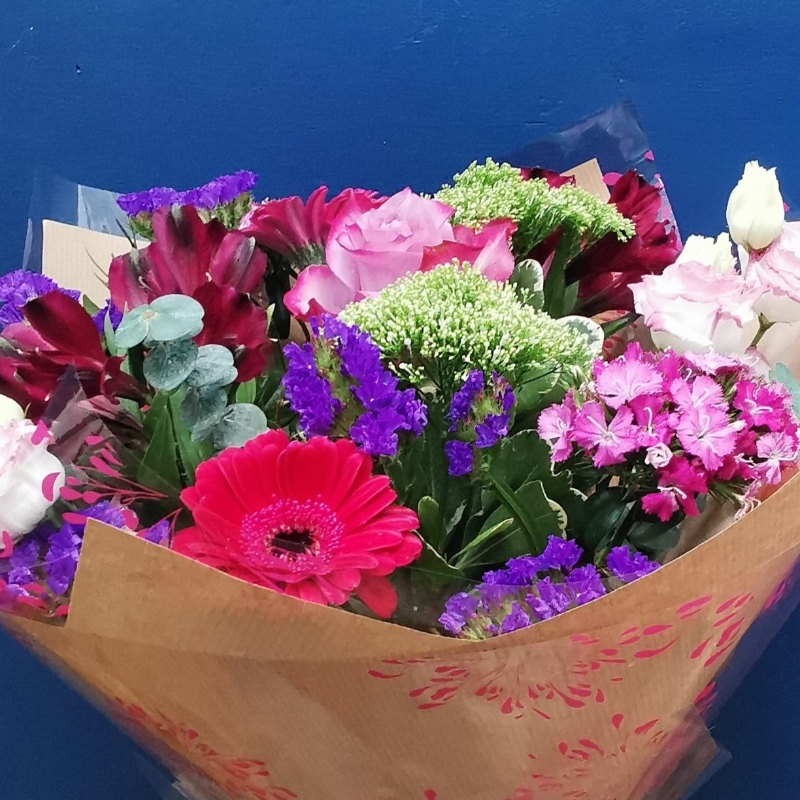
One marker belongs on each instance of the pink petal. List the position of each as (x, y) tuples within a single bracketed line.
[(317, 288), (377, 594), (49, 486)]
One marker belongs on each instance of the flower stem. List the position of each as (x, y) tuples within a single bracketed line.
[(763, 326)]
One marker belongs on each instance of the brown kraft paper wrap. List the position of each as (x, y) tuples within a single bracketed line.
[(271, 698)]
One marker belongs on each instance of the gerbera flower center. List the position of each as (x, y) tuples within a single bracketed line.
[(303, 535)]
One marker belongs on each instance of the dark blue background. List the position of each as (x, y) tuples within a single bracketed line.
[(379, 93)]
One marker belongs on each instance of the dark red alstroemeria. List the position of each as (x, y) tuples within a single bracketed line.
[(607, 268), (234, 321), (203, 260), (186, 253), (298, 229), (58, 333)]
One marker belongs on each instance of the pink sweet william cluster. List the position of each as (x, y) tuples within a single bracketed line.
[(673, 427)]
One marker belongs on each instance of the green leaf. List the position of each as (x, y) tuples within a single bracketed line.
[(246, 392), (528, 278), (174, 316), (192, 453), (239, 424), (520, 458), (606, 511), (133, 328), (214, 367), (436, 569), (654, 538), (158, 468), (535, 388), (589, 328), (531, 506), (110, 335), (90, 307), (201, 409), (468, 555), (782, 374), (430, 522), (169, 364), (616, 325)]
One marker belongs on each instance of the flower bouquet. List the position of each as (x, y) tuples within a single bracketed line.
[(454, 497)]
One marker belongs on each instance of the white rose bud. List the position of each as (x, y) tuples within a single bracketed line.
[(755, 208), (717, 254), (10, 410)]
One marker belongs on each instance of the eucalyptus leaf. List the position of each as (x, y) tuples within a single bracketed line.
[(169, 364), (782, 374), (589, 328), (174, 316), (534, 389), (528, 278), (240, 423), (201, 409), (214, 367), (133, 329)]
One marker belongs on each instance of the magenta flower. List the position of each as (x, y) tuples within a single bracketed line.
[(762, 405), (623, 380), (706, 432), (653, 422), (555, 427), (679, 484), (612, 440), (702, 391), (779, 450)]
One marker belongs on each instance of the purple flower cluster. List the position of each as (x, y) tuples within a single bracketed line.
[(220, 191), (534, 588), (20, 287), (342, 365), (481, 416), (51, 554)]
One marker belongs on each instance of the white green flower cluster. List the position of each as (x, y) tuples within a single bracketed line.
[(490, 191), (438, 326)]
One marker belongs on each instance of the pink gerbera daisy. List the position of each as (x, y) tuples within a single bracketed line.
[(308, 519)]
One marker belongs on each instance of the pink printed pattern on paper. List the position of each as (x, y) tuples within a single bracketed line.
[(576, 779), (237, 778), (506, 679)]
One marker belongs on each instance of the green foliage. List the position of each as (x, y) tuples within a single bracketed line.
[(168, 364), (484, 192), (437, 326), (166, 319)]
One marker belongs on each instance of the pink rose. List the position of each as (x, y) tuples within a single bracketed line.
[(692, 307), (777, 271), (368, 250)]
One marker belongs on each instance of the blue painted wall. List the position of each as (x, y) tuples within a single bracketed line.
[(379, 94)]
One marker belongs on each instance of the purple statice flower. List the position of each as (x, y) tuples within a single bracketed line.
[(459, 609), (158, 533), (61, 561), (584, 584), (515, 620), (627, 565), (110, 310), (352, 365), (523, 571), (549, 599), (462, 400), (493, 428), (559, 554), (22, 561), (220, 191), (459, 458), (309, 394), (20, 287)]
